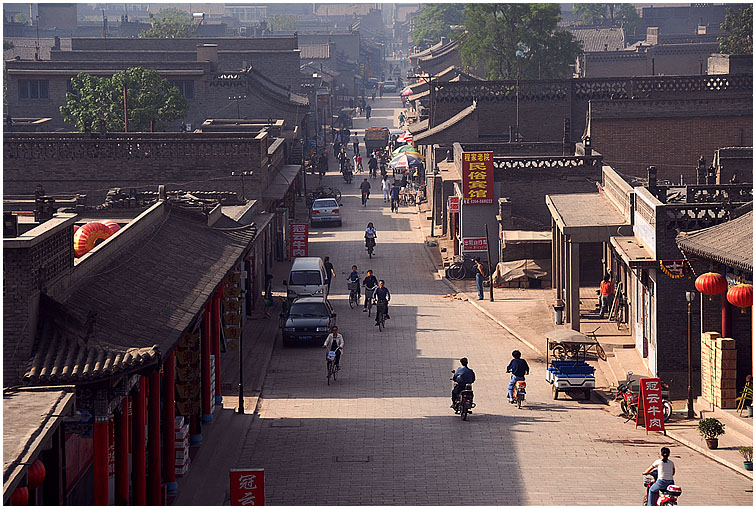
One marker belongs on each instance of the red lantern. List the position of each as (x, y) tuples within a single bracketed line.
[(741, 296), (20, 496), (711, 283), (36, 474)]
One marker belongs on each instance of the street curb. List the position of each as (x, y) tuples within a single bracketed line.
[(705, 452)]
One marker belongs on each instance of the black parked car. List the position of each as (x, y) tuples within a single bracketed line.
[(308, 320)]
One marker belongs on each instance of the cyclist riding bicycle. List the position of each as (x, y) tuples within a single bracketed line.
[(370, 236), (365, 188), (354, 277), (382, 297), (370, 283), (334, 343)]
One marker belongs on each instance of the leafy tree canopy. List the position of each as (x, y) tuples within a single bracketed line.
[(739, 24), (518, 40), (169, 24), (623, 15), (435, 21), (283, 22), (97, 102)]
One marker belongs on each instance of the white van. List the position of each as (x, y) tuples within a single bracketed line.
[(307, 278)]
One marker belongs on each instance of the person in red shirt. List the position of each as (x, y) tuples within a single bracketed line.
[(607, 295)]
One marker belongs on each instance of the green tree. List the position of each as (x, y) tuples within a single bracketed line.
[(518, 40), (96, 103), (624, 15), (435, 21), (169, 24), (283, 22), (739, 24), (21, 18)]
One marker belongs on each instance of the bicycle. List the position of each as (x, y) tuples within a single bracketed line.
[(331, 368), (381, 315), (365, 196), (465, 267), (394, 205), (354, 298), (369, 298)]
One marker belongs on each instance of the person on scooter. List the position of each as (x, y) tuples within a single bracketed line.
[(335, 342), (382, 296), (519, 368), (354, 277), (462, 377), (665, 470), (370, 283)]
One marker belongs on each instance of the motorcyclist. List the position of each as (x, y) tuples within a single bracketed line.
[(665, 470), (370, 283), (382, 296), (365, 190), (462, 377), (519, 368), (354, 277), (334, 342), (370, 235)]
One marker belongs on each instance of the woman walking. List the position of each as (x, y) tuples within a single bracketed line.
[(386, 188)]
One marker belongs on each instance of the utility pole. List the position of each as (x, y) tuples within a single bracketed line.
[(125, 108), (490, 265)]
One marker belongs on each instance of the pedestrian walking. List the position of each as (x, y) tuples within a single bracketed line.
[(607, 295), (479, 274), (330, 273), (355, 145), (380, 91), (386, 187), (368, 111)]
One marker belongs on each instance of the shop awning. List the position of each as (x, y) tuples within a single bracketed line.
[(281, 182), (585, 217), (633, 251)]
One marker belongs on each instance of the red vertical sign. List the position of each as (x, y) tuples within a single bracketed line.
[(477, 178), (650, 407), (299, 235), (454, 204), (247, 486)]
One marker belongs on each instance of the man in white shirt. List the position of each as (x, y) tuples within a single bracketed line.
[(335, 342)]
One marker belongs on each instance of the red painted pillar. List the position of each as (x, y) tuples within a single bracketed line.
[(139, 447), (100, 446), (205, 362), (153, 486), (725, 317), (130, 418), (216, 344), (122, 455), (169, 407)]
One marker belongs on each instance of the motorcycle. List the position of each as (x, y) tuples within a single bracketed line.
[(464, 404), (667, 496), (629, 399), (519, 392)]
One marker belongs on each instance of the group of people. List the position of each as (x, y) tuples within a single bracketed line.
[(362, 106), (465, 375)]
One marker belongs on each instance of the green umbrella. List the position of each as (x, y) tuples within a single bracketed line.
[(403, 148)]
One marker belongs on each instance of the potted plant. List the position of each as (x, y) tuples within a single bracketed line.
[(710, 428), (747, 453)]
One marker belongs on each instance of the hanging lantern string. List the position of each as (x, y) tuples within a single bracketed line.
[(689, 264)]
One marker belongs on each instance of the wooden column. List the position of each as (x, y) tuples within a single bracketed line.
[(725, 316), (100, 446), (574, 285), (554, 259), (139, 457), (169, 407), (205, 363), (153, 486), (216, 338), (122, 454)]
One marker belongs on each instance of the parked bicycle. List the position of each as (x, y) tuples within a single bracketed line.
[(323, 192), (465, 268)]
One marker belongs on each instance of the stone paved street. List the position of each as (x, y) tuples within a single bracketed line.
[(384, 433)]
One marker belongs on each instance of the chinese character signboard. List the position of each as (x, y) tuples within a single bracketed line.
[(454, 204), (477, 178), (650, 408), (299, 234), (474, 244), (247, 486)]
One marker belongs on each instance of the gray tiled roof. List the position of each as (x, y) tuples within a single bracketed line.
[(134, 310), (594, 38), (730, 243), (313, 51)]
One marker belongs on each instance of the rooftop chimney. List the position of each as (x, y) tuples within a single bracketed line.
[(208, 53), (652, 180), (701, 171)]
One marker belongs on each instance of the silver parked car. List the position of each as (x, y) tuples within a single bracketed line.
[(389, 86), (325, 210)]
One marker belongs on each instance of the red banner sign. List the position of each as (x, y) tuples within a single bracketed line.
[(299, 236), (247, 486), (474, 244), (477, 178), (650, 408), (454, 204)]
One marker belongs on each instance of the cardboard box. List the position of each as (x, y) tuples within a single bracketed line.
[(726, 344)]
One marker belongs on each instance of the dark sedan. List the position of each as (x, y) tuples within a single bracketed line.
[(308, 320)]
